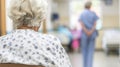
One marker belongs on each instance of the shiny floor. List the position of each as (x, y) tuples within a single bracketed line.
[(100, 60)]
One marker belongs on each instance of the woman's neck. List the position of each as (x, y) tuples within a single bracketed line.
[(32, 28), (23, 27)]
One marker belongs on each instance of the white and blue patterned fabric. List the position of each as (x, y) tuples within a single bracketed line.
[(24, 46)]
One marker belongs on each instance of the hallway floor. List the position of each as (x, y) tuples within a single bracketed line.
[(100, 60)]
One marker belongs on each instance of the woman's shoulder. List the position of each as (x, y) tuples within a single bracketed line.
[(50, 40), (49, 37), (2, 37), (5, 36)]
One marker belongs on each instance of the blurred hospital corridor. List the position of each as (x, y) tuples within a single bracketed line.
[(100, 60), (63, 20)]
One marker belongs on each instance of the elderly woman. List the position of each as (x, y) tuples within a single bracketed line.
[(25, 45)]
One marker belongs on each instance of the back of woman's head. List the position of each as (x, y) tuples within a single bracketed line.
[(27, 12)]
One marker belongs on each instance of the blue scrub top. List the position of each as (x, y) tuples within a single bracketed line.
[(88, 18)]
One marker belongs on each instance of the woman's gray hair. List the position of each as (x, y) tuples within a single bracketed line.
[(27, 12)]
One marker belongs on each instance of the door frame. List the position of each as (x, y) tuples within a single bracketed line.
[(2, 17)]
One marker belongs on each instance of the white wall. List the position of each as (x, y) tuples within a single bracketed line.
[(9, 25), (63, 10), (111, 14), (48, 20), (111, 9), (110, 19)]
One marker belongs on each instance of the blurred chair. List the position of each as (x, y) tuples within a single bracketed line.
[(18, 65)]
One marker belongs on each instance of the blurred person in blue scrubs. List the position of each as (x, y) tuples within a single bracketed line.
[(88, 20)]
